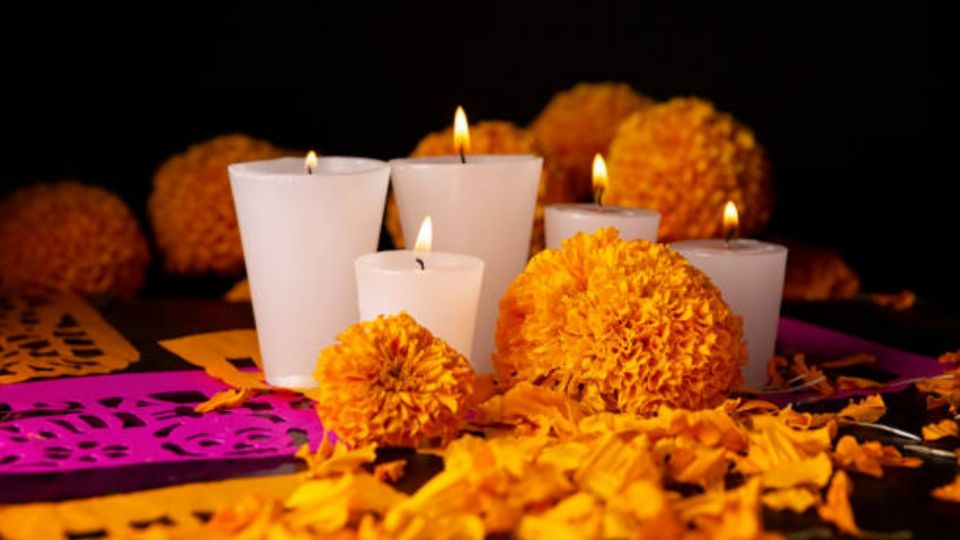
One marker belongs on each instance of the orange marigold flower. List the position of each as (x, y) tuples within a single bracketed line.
[(837, 508), (493, 137), (580, 122), (815, 273), (949, 492), (390, 381), (901, 301), (619, 326), (941, 429), (951, 357), (686, 159), (70, 237), (191, 206), (870, 457)]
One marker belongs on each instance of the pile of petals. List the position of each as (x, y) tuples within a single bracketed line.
[(536, 464)]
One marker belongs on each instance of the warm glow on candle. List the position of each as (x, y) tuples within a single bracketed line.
[(311, 162), (600, 179), (731, 221), (461, 133), (425, 236)]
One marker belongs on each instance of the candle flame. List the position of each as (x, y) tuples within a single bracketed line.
[(425, 236), (731, 221), (461, 132), (600, 179), (311, 162)]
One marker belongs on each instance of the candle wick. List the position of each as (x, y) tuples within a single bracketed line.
[(309, 169), (420, 262), (463, 157), (598, 197), (730, 236)]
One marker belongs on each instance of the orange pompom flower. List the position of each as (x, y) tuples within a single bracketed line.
[(191, 206), (619, 326), (686, 159), (390, 381), (580, 122), (70, 237), (815, 273), (493, 137)]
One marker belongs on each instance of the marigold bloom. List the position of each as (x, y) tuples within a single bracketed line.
[(191, 206), (580, 122), (70, 237), (493, 137), (686, 159), (815, 273), (390, 381), (619, 326)]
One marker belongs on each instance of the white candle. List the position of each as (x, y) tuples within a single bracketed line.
[(439, 290), (566, 220), (484, 208), (301, 232), (750, 275)]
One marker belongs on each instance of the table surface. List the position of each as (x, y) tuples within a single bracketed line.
[(899, 501)]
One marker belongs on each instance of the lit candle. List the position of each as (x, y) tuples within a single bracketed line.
[(302, 224), (750, 276), (566, 220), (439, 290), (481, 206)]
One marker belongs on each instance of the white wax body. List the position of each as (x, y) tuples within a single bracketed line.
[(482, 208), (442, 297), (750, 275), (565, 220), (301, 234)]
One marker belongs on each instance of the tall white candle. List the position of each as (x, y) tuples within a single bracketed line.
[(750, 275), (301, 232), (439, 290), (484, 208)]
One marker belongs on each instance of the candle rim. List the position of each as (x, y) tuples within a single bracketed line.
[(479, 160), (464, 262), (591, 209), (717, 247), (362, 166)]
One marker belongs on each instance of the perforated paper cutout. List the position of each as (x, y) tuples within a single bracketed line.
[(56, 336), (221, 355), (180, 509)]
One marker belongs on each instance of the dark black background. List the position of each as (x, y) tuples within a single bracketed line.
[(849, 98)]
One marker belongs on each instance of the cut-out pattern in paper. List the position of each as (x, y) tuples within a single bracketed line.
[(55, 336), (223, 355), (180, 509), (136, 418)]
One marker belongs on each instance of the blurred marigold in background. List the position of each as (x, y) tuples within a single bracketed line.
[(815, 273), (390, 381), (686, 159), (580, 122), (619, 326), (70, 237), (191, 207), (492, 137)]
